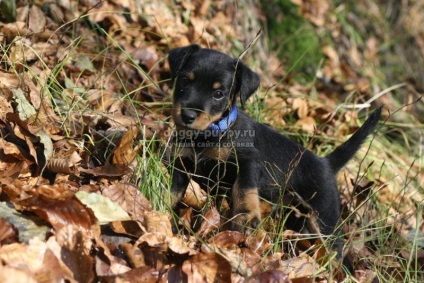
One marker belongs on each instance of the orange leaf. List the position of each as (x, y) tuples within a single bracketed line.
[(211, 221), (124, 153), (207, 267)]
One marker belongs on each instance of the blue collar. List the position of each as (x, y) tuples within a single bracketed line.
[(225, 122)]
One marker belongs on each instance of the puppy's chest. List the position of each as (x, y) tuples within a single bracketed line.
[(206, 152)]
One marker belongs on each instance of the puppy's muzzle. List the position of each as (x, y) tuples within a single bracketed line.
[(188, 116)]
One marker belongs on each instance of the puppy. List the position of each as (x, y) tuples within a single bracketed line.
[(226, 151)]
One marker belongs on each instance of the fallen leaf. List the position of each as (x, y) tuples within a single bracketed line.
[(207, 267), (179, 246), (307, 124), (72, 247), (8, 233), (302, 107), (134, 254), (314, 10), (243, 261), (158, 222), (259, 244), (111, 170), (143, 274), (210, 222), (27, 227), (16, 274), (194, 196), (104, 209), (298, 267), (130, 228), (37, 20), (24, 108), (129, 198), (28, 256), (228, 239), (8, 80), (62, 212), (83, 63), (270, 276), (125, 152)]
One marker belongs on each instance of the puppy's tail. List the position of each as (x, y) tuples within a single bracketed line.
[(342, 154)]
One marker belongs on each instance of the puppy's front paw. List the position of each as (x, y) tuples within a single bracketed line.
[(246, 222), (246, 210), (176, 197)]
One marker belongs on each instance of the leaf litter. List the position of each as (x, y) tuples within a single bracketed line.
[(69, 142)]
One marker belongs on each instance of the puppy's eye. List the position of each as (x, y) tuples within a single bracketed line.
[(218, 94)]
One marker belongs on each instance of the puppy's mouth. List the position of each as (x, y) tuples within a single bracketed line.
[(183, 126), (198, 122)]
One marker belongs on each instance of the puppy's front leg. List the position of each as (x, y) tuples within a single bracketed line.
[(180, 181), (245, 198)]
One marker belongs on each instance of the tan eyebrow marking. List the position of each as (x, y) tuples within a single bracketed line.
[(216, 85), (190, 76)]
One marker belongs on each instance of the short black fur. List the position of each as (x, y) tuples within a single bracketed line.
[(250, 160)]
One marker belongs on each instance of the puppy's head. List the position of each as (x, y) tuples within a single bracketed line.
[(206, 82)]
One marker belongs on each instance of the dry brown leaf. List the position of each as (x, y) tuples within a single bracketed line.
[(7, 80), (366, 276), (51, 271), (297, 267), (276, 109), (10, 152), (180, 246), (134, 254), (314, 10), (210, 222), (101, 99), (243, 261), (130, 228), (125, 152), (302, 107), (62, 212), (194, 196), (29, 257), (259, 244), (64, 165), (112, 170), (274, 276), (307, 124), (158, 223), (207, 267), (16, 274), (228, 239), (8, 233), (204, 7), (129, 198), (154, 247), (106, 263), (15, 29), (72, 247), (37, 20), (153, 239), (143, 274), (62, 191), (148, 57)]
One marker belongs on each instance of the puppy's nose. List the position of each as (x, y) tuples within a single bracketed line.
[(188, 116)]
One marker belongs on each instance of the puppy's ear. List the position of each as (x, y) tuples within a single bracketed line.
[(178, 57), (248, 82)]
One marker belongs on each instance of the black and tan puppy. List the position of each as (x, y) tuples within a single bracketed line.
[(226, 151)]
